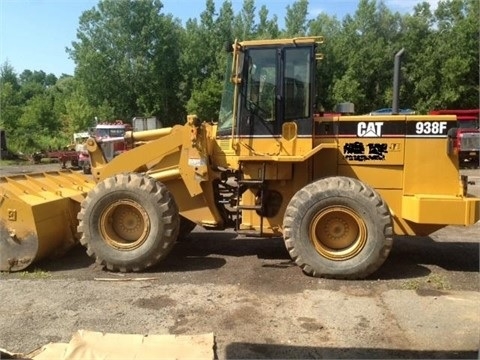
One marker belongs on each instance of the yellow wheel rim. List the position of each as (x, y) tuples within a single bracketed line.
[(338, 233), (124, 225)]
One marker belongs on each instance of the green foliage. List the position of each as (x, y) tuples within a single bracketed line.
[(127, 56), (245, 21), (296, 19), (30, 143), (204, 58), (327, 68), (205, 102), (10, 106), (37, 77), (18, 161), (267, 29), (134, 60), (348, 89), (38, 116), (8, 76), (366, 47), (442, 69), (35, 274), (81, 114)]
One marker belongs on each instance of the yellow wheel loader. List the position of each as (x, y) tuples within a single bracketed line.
[(336, 187)]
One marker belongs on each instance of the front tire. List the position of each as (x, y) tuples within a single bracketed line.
[(129, 222), (338, 227)]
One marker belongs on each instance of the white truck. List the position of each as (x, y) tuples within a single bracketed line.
[(111, 137)]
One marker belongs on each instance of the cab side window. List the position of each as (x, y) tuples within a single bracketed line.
[(297, 83), (262, 81)]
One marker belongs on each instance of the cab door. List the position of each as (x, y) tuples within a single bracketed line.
[(276, 92)]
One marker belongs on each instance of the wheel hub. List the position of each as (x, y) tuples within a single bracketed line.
[(338, 233), (124, 225)]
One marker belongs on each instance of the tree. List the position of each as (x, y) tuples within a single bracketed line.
[(38, 116), (204, 59), (127, 56), (8, 75), (441, 69), (39, 77), (10, 103), (365, 49), (296, 18), (418, 76), (10, 107), (330, 28), (206, 103), (71, 106), (267, 29), (245, 21)]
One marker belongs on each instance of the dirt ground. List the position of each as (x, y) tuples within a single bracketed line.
[(424, 302)]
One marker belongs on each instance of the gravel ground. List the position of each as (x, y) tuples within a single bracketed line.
[(423, 303)]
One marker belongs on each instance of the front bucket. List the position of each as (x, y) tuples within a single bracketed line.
[(38, 216)]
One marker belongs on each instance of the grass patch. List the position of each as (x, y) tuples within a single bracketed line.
[(13, 162), (411, 285), (431, 282), (35, 274)]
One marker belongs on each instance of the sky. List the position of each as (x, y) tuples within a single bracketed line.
[(35, 33)]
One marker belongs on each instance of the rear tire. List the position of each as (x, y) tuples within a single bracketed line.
[(129, 222), (338, 227)]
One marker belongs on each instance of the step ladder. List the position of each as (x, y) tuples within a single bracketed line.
[(251, 184)]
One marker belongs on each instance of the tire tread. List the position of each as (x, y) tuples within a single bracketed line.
[(338, 185), (166, 207)]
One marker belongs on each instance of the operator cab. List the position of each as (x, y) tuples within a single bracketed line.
[(276, 85)]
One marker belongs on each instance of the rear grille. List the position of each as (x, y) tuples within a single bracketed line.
[(470, 142)]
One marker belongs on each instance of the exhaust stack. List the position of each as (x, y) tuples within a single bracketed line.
[(396, 81)]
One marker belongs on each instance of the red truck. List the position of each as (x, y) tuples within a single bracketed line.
[(111, 137), (467, 135)]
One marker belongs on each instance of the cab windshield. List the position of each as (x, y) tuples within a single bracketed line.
[(105, 133), (225, 117)]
